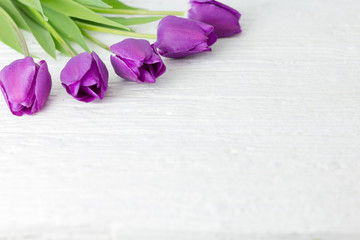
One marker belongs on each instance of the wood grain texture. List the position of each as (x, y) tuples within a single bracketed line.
[(258, 138)]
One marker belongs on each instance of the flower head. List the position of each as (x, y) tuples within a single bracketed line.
[(25, 85), (180, 37), (136, 60), (85, 77), (224, 18)]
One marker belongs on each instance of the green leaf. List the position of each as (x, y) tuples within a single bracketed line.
[(73, 9), (134, 21), (9, 7), (93, 3), (37, 17), (60, 48), (119, 5), (8, 34), (36, 4), (42, 36), (66, 27)]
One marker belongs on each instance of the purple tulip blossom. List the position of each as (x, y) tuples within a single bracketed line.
[(85, 77), (137, 60), (181, 37), (25, 85), (224, 18)]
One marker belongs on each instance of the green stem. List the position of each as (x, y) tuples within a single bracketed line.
[(114, 31), (19, 34), (53, 32), (136, 12), (95, 40)]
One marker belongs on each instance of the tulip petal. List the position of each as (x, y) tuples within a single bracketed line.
[(85, 95), (92, 77), (91, 93), (6, 97), (160, 69), (122, 69), (146, 76), (229, 9), (154, 58), (42, 87), (85, 77), (137, 60), (73, 89), (201, 48), (76, 68), (135, 50), (225, 7), (178, 36), (104, 73), (155, 64), (212, 38), (224, 18), (17, 80), (25, 85)]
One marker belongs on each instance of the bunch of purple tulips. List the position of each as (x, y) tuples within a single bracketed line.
[(26, 85)]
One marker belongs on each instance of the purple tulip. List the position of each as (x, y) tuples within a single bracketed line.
[(136, 60), (224, 18), (85, 77), (181, 37), (25, 85)]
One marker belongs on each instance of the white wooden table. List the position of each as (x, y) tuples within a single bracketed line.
[(258, 140)]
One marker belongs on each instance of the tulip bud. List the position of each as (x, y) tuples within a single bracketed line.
[(136, 60), (180, 37), (25, 85), (224, 18), (85, 77)]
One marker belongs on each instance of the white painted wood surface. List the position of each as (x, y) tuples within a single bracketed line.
[(258, 139)]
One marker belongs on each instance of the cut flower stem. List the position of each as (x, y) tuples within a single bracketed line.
[(137, 12), (53, 32), (19, 34), (114, 31), (95, 40)]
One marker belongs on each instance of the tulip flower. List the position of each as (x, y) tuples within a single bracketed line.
[(180, 37), (137, 60), (224, 18), (85, 77), (25, 85)]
